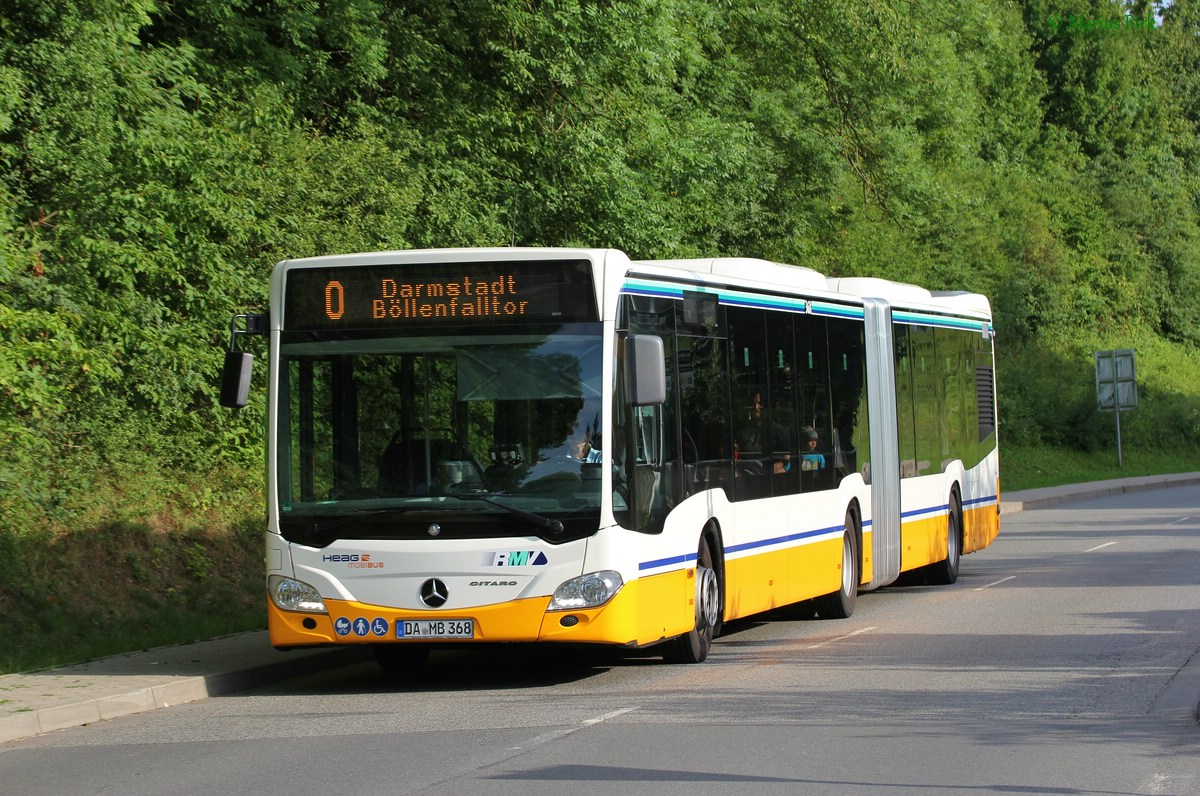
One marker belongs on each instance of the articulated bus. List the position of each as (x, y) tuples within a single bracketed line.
[(563, 445)]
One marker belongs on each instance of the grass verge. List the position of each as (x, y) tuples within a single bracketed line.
[(83, 594), (1023, 467), (100, 589)]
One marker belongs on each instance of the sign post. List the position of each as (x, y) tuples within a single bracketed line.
[(1116, 386)]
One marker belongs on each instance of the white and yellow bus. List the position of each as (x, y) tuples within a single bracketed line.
[(564, 445)]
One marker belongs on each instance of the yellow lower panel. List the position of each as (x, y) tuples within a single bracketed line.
[(760, 583), (922, 542), (868, 563), (644, 611), (756, 583), (818, 569), (981, 526), (515, 621)]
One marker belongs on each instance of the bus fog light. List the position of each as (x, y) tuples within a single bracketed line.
[(294, 595), (586, 591)]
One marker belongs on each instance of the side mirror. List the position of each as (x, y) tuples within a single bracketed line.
[(645, 370), (235, 379), (235, 376)]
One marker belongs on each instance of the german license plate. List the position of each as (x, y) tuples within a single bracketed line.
[(435, 628)]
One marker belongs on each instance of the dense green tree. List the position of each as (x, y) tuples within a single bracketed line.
[(157, 158)]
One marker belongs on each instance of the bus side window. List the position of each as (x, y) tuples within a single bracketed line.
[(705, 415), (645, 458)]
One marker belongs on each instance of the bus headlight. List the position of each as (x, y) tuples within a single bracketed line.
[(294, 595), (586, 591)]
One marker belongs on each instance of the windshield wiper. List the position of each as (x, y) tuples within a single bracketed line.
[(552, 525)]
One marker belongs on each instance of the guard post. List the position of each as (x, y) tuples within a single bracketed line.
[(1116, 385)]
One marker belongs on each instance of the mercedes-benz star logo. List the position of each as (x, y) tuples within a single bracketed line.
[(434, 593)]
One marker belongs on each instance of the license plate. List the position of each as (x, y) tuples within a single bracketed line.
[(435, 628)]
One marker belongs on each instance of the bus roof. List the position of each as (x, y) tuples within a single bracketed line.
[(751, 269), (797, 277)]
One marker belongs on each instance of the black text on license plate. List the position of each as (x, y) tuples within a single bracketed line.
[(435, 628)]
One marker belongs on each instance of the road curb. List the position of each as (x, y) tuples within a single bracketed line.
[(166, 692), (1049, 496)]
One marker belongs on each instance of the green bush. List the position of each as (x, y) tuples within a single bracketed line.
[(156, 159)]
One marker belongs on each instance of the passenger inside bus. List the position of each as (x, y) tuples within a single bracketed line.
[(810, 457), (589, 450), (762, 449)]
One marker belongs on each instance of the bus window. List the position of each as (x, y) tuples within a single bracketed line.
[(847, 377), (704, 415), (813, 399), (748, 395), (785, 447), (647, 474), (905, 423)]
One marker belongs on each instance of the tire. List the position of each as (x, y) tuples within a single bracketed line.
[(945, 572), (693, 646), (840, 604), (401, 658)]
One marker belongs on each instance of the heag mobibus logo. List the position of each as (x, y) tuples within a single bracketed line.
[(515, 558), (352, 560)]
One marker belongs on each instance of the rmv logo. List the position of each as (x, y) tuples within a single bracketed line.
[(516, 558)]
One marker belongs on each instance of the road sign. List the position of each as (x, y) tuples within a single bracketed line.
[(1116, 385), (1116, 380)]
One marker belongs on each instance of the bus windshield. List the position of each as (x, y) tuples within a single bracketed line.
[(406, 426)]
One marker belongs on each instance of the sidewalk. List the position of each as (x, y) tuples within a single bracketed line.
[(1049, 496), (72, 696)]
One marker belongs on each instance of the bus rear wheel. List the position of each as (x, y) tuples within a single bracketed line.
[(840, 604), (693, 646), (946, 572)]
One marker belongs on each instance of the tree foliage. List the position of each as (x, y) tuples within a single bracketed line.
[(156, 158)]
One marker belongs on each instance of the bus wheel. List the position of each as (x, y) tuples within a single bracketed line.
[(693, 647), (840, 604), (401, 658), (946, 572)]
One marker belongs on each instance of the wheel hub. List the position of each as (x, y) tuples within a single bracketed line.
[(708, 598)]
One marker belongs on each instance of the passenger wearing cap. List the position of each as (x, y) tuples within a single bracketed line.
[(809, 458)]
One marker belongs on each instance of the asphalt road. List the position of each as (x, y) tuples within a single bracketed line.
[(1064, 661)]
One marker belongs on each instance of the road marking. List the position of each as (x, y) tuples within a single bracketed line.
[(607, 716), (562, 732), (839, 638), (997, 583), (1181, 519), (1099, 547)]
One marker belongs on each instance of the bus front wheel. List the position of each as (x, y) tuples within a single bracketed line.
[(693, 646), (840, 604)]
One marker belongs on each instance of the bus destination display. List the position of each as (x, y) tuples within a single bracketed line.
[(471, 293)]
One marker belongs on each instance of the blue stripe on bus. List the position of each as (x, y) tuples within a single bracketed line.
[(838, 311), (663, 562), (945, 321), (793, 537), (929, 510), (656, 291), (766, 302), (946, 507)]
